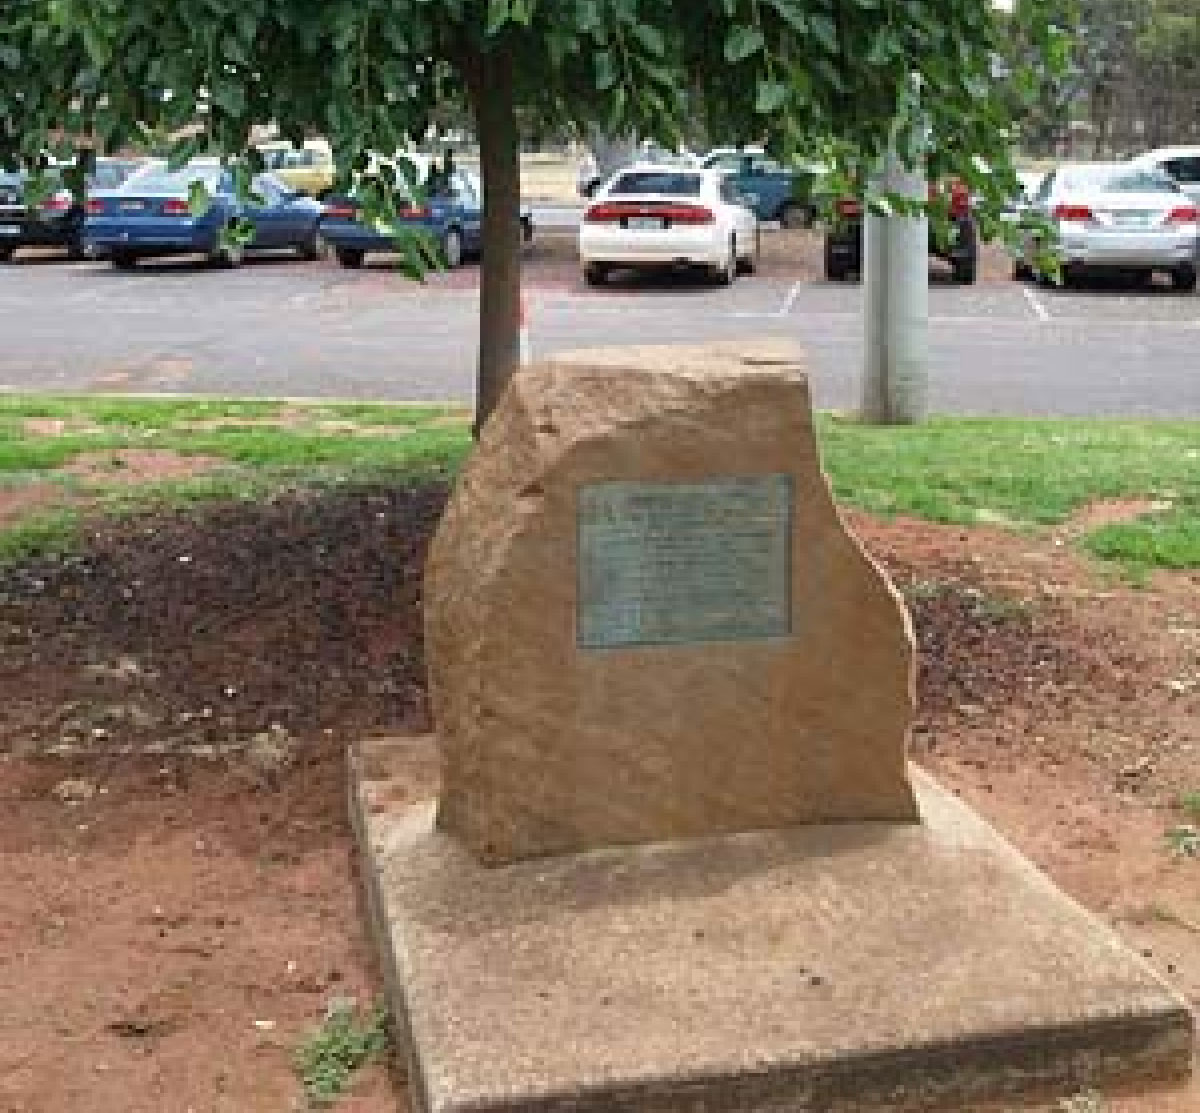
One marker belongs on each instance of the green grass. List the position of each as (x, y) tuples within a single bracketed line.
[(1018, 474), (327, 1060), (1028, 473)]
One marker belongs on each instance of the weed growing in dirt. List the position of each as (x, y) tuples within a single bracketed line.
[(343, 1044), (1184, 840), (1086, 1101), (1190, 803)]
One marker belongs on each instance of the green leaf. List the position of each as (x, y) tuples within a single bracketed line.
[(606, 70), (650, 37), (825, 31), (198, 199), (771, 96), (742, 42), (499, 12)]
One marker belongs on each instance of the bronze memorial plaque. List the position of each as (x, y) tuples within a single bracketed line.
[(671, 563)]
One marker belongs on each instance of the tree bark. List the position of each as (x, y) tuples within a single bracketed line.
[(490, 84)]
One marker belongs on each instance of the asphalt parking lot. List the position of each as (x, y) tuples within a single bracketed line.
[(280, 328)]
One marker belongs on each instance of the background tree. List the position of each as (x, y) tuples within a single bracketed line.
[(370, 75)]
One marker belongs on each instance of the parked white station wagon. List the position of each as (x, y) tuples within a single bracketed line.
[(650, 216)]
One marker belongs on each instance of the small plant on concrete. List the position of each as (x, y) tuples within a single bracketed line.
[(1184, 840), (327, 1059), (1190, 803), (1086, 1101)]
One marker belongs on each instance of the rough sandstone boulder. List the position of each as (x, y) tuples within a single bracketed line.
[(553, 746)]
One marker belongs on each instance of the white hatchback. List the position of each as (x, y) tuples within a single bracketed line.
[(651, 216)]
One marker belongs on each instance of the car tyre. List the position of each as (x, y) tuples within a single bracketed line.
[(595, 274), (312, 249), (726, 273), (1021, 271), (452, 248), (748, 264), (76, 252), (124, 260), (228, 256), (835, 271), (1183, 278), (6, 253), (351, 257)]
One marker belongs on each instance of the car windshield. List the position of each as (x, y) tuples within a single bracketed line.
[(109, 175), (657, 181), (162, 180), (1119, 179)]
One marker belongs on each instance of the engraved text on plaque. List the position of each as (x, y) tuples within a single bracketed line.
[(671, 563)]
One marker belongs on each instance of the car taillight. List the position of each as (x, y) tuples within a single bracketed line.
[(59, 203), (95, 206), (1072, 212), (605, 214), (176, 206), (415, 212), (1184, 214), (340, 212), (849, 207), (685, 214), (960, 199)]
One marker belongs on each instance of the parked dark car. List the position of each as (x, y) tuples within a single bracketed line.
[(57, 219), (451, 214), (844, 238), (775, 192), (150, 216)]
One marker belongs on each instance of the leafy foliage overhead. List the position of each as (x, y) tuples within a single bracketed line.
[(371, 74)]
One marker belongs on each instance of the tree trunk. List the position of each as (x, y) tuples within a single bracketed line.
[(491, 89)]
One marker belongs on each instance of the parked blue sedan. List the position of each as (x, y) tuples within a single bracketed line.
[(452, 215), (149, 216)]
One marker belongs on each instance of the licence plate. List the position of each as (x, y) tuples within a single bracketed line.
[(132, 206), (645, 223), (10, 229), (1131, 220)]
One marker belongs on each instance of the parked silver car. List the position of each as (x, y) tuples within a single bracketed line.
[(1115, 217)]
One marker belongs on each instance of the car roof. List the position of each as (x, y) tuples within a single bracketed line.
[(1167, 152)]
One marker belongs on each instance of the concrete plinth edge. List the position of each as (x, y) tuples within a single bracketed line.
[(866, 967)]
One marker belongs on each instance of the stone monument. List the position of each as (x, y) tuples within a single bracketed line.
[(646, 620), (664, 853)]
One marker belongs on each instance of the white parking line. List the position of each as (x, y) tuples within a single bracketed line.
[(790, 300), (1043, 314)]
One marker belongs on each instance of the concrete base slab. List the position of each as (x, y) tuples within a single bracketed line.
[(864, 966)]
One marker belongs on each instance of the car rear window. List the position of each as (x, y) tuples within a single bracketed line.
[(657, 181), (175, 181), (1120, 179)]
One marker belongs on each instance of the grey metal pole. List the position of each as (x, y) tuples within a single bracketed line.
[(896, 305)]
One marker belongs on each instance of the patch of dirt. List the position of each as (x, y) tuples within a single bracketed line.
[(1110, 512), (155, 909), (138, 466), (21, 501), (57, 427)]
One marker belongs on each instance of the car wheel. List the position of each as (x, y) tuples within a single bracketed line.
[(228, 256), (835, 270), (351, 257), (1184, 278), (726, 273), (965, 270), (6, 253), (796, 216), (124, 260), (312, 249), (595, 274), (76, 252), (452, 248), (748, 264), (1021, 271), (526, 231)]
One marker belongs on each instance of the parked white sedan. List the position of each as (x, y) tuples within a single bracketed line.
[(665, 216)]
